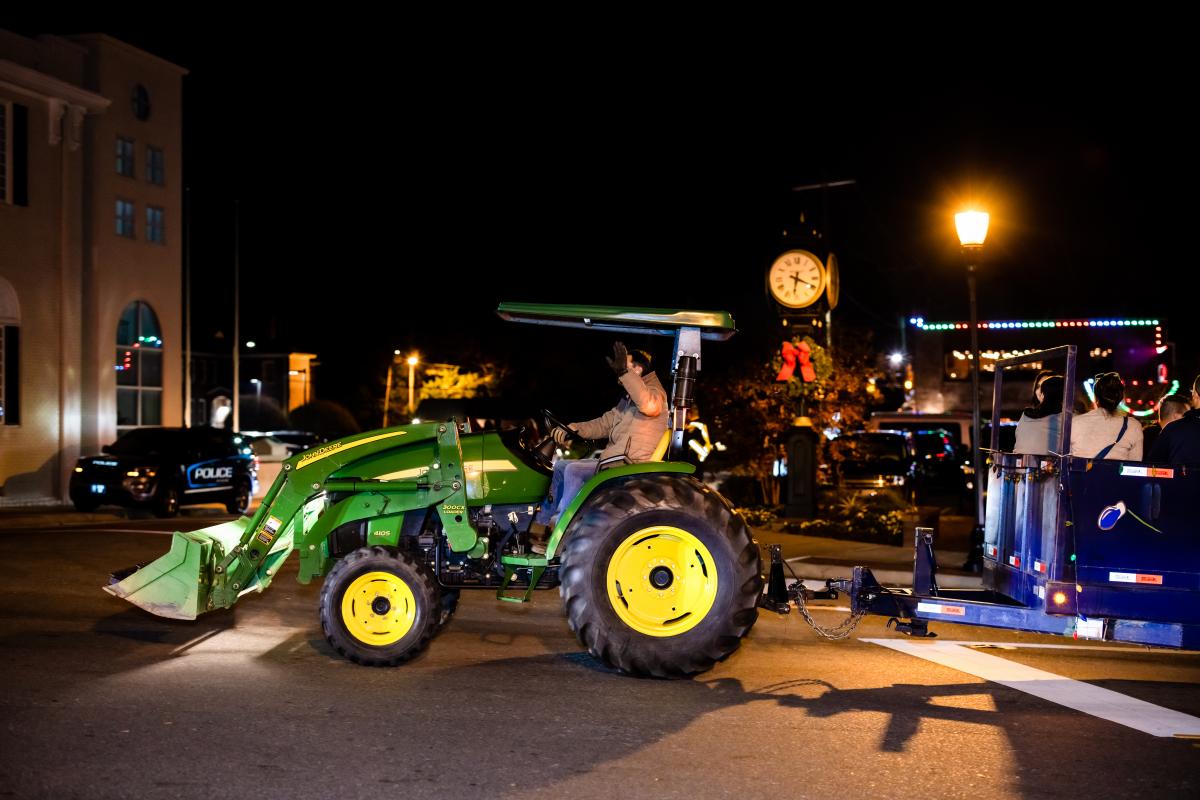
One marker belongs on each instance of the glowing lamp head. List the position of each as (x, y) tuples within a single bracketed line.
[(972, 228)]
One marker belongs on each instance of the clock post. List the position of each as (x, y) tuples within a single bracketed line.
[(804, 291)]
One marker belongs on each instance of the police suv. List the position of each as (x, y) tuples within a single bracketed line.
[(165, 468)]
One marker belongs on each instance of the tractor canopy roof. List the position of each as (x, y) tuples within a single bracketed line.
[(619, 319)]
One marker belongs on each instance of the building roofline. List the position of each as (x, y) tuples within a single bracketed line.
[(46, 38), (30, 81), (104, 38)]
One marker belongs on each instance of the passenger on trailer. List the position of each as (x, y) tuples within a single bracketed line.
[(1105, 432), (1038, 427)]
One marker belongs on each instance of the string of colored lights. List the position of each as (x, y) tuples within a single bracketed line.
[(1089, 383), (920, 323)]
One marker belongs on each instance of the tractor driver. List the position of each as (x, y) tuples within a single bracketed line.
[(633, 427)]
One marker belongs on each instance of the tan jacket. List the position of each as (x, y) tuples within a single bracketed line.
[(629, 429)]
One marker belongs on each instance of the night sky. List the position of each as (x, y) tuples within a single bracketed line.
[(396, 185)]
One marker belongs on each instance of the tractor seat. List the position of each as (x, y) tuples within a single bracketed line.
[(659, 454)]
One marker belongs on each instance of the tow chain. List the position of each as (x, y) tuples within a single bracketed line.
[(840, 631), (781, 597)]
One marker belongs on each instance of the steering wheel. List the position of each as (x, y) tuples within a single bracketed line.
[(543, 451)]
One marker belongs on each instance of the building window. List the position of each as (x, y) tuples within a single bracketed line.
[(10, 355), (14, 154), (155, 166), (10, 375), (125, 157), (155, 232), (5, 158), (125, 218), (141, 102), (139, 367)]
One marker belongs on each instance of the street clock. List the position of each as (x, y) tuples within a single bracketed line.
[(796, 279)]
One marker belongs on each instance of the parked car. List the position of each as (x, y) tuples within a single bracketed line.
[(875, 464), (275, 447), (281, 445), (163, 469)]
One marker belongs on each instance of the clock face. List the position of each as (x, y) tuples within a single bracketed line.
[(796, 279)]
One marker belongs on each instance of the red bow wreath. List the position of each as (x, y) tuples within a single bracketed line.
[(793, 353)]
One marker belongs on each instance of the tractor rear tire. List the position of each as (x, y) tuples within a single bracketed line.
[(379, 606), (659, 577)]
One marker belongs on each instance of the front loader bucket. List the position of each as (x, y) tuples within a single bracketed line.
[(179, 584)]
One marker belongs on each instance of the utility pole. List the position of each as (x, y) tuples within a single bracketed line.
[(187, 307), (237, 331)]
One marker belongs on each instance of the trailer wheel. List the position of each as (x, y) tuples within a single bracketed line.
[(659, 577), (379, 607)]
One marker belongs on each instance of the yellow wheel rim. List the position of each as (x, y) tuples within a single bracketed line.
[(662, 581), (378, 608)]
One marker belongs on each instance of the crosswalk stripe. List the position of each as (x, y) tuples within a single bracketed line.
[(1093, 700)]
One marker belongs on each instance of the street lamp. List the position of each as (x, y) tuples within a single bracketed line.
[(972, 229), (412, 369)]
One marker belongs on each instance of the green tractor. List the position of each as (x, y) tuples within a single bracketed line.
[(658, 575)]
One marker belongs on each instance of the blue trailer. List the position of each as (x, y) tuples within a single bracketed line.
[(1074, 546)]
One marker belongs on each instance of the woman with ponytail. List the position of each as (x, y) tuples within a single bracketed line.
[(1104, 432)]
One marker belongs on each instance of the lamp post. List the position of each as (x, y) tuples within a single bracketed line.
[(972, 229), (412, 371), (387, 388), (257, 399)]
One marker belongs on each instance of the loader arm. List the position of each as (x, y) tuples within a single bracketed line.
[(212, 567)]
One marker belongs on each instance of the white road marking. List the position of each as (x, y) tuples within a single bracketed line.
[(1158, 651), (1093, 700)]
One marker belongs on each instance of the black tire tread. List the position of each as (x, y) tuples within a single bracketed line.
[(628, 650), (425, 590)]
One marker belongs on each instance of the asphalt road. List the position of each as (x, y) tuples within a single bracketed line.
[(99, 699)]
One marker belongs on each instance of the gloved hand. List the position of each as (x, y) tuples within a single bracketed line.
[(620, 360), (561, 436)]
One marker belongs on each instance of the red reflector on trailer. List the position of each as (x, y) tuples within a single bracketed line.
[(1038, 566), (1135, 577), (1014, 561)]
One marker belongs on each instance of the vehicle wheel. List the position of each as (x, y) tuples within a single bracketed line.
[(84, 504), (379, 606), (166, 504), (239, 503), (659, 577)]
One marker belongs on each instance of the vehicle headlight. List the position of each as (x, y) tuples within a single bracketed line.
[(897, 480), (139, 481)]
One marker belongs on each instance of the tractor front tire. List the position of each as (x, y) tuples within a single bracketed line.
[(660, 577), (379, 606)]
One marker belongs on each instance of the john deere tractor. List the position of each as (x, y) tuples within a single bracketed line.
[(658, 575)]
